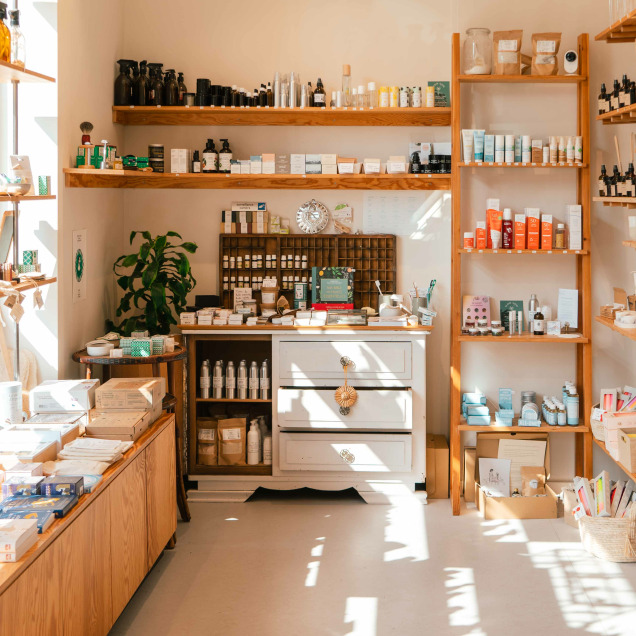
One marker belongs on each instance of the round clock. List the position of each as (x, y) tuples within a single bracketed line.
[(312, 217)]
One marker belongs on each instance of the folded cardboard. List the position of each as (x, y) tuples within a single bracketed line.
[(437, 465), (612, 422), (542, 507), (130, 394), (130, 424), (54, 396)]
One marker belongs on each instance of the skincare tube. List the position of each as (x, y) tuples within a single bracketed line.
[(495, 237), (562, 150), (467, 140), (510, 148), (518, 148), (480, 235), (479, 144), (554, 150), (578, 149), (570, 150), (526, 149), (520, 322), (489, 148)]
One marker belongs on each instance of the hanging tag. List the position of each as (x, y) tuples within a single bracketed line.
[(38, 303), (17, 312), (10, 301)]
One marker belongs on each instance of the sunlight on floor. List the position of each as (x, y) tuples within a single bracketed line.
[(462, 601), (363, 613), (406, 527), (508, 530)]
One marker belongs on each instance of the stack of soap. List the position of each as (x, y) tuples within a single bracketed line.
[(119, 425), (90, 449), (505, 415), (475, 409)]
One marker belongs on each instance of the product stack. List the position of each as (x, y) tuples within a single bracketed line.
[(139, 345), (230, 382), (623, 94), (16, 537), (246, 218), (529, 230), (616, 412), (601, 497)]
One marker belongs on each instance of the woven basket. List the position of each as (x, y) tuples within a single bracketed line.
[(610, 539), (598, 430)]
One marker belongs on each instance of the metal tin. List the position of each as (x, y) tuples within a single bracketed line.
[(155, 151), (157, 165)]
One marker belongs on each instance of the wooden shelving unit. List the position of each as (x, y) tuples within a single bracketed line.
[(602, 446), (493, 428), (77, 178), (608, 322), (616, 202), (625, 115), (10, 198), (11, 73), (28, 285), (506, 252), (518, 164), (215, 116), (583, 269), (622, 31)]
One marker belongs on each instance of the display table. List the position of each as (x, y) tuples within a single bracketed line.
[(378, 447), (169, 401), (84, 569)]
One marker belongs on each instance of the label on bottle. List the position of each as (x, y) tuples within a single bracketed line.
[(602, 190), (230, 383), (208, 163), (614, 102), (620, 187), (264, 383), (196, 166), (622, 99), (602, 105), (614, 192), (242, 383), (319, 98), (538, 326), (217, 382), (225, 159), (404, 99), (204, 381), (417, 99), (253, 384)]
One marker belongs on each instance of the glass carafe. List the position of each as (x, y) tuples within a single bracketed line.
[(477, 56)]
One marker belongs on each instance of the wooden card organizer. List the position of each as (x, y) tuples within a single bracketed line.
[(374, 257)]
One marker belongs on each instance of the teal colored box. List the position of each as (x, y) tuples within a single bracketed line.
[(478, 420), (505, 399), (474, 398), (141, 348), (501, 420), (529, 423), (477, 409)]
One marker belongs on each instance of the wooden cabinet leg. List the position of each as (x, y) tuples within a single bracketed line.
[(172, 542)]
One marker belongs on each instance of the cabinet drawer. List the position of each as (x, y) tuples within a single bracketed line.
[(376, 409), (344, 452), (319, 360)]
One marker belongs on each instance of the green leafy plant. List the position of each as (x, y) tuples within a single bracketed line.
[(158, 284)]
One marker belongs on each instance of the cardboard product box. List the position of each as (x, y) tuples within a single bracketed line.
[(297, 164), (313, 168), (627, 448), (14, 450), (128, 394), (574, 223), (468, 473), (57, 396), (129, 423), (61, 434), (513, 507), (612, 422), (329, 168), (533, 220), (437, 467)]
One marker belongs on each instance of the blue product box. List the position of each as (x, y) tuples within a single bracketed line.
[(474, 398), (478, 420), (477, 409), (505, 398)]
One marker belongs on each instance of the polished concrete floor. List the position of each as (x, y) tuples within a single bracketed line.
[(329, 565)]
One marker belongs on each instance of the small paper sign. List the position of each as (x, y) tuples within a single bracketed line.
[(17, 312), (38, 303)]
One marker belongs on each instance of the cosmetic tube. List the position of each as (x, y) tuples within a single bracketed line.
[(478, 145), (467, 140)]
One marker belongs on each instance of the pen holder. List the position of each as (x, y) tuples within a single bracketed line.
[(417, 304)]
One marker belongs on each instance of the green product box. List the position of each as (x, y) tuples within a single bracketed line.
[(442, 93)]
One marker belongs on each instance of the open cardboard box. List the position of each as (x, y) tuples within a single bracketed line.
[(513, 507)]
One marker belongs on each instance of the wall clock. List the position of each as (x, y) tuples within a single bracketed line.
[(312, 217)]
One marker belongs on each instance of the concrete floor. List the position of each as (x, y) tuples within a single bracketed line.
[(332, 565)]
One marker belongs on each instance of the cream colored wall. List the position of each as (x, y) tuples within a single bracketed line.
[(401, 42), (86, 93)]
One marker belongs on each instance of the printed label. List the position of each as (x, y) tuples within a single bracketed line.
[(545, 59), (253, 383), (204, 381), (242, 383), (264, 383), (507, 58), (224, 161), (228, 434), (507, 45), (546, 46), (207, 434), (217, 383), (230, 383), (602, 103), (319, 98)]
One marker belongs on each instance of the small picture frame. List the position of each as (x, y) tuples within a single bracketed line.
[(554, 328)]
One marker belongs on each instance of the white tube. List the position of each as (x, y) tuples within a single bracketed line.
[(468, 141), (495, 236)]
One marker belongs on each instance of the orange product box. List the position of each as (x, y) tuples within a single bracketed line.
[(546, 231), (480, 235), (520, 231), (533, 216)]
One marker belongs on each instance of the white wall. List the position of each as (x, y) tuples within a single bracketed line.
[(86, 94), (402, 42)]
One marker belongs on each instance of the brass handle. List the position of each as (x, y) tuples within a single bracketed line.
[(347, 455)]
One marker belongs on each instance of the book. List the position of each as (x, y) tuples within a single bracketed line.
[(14, 533), (625, 499), (91, 482), (44, 519), (59, 505), (62, 485), (615, 497), (332, 287), (24, 486)]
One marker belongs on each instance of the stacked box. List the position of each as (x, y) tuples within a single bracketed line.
[(141, 347)]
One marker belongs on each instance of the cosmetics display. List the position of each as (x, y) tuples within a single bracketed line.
[(230, 382), (617, 184), (12, 43), (623, 93), (479, 147), (157, 88), (527, 230)]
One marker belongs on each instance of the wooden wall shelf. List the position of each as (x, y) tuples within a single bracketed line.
[(215, 116), (10, 73), (544, 428), (622, 31), (616, 202), (28, 285), (601, 445), (8, 198), (77, 178), (608, 322), (518, 164), (625, 115), (234, 401), (520, 79), (507, 252), (525, 337), (258, 469)]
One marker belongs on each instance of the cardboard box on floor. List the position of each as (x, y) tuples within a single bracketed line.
[(437, 467), (513, 507), (468, 470)]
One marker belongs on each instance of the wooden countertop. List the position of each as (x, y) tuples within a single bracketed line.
[(292, 329), (9, 572)]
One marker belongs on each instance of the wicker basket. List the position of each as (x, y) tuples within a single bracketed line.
[(598, 429), (610, 539)]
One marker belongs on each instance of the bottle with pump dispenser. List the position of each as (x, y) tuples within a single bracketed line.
[(533, 308), (123, 82), (135, 82), (253, 444), (18, 47), (264, 380), (155, 97), (143, 85), (603, 190), (225, 157), (253, 381), (182, 88), (170, 89), (217, 380), (210, 161), (230, 381), (5, 36)]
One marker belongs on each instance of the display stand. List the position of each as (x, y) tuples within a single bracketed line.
[(583, 446)]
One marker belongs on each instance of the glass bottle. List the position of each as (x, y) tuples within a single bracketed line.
[(18, 47), (614, 181), (372, 95), (5, 35), (142, 85), (614, 102), (196, 167), (270, 95), (123, 82), (320, 97), (170, 89), (346, 85), (533, 308), (210, 161), (182, 89), (506, 229), (362, 99), (602, 100), (602, 183), (623, 95), (559, 236), (477, 52), (538, 324)]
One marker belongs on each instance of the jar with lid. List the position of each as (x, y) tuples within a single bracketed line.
[(416, 97), (562, 418), (477, 52), (528, 396)]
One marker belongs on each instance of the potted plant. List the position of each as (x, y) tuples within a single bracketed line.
[(158, 284)]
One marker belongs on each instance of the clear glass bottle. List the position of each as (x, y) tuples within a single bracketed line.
[(346, 84), (5, 35), (18, 47), (477, 52), (362, 98), (372, 95), (559, 238)]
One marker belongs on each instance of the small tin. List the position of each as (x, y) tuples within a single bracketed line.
[(188, 99), (157, 165), (155, 151), (473, 331), (497, 331)]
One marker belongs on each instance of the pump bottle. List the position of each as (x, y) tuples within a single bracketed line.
[(506, 229), (123, 84), (134, 99), (156, 84), (5, 35), (182, 90), (18, 48), (230, 381), (602, 183), (217, 380), (225, 157), (170, 89), (241, 381), (253, 444), (264, 380), (210, 161), (143, 83)]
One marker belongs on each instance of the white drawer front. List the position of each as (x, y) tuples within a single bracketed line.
[(344, 452), (316, 409), (319, 360)]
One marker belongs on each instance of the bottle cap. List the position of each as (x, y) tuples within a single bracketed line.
[(507, 214), (371, 86), (560, 226), (346, 69)]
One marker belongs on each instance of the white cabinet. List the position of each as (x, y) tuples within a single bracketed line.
[(345, 452), (317, 409)]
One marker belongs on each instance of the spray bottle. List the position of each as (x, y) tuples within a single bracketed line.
[(217, 381), (230, 381), (170, 89), (264, 380), (253, 383), (241, 383), (143, 85), (156, 84), (204, 379)]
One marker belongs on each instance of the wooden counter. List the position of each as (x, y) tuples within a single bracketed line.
[(84, 569)]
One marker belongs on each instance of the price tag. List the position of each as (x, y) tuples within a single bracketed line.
[(17, 312), (38, 303)]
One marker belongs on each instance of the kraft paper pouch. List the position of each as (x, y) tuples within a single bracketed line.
[(545, 47), (232, 435), (507, 52)]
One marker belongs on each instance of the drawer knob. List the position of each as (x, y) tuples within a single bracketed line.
[(346, 361), (345, 410), (347, 455)]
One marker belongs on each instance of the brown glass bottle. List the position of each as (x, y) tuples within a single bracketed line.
[(320, 97)]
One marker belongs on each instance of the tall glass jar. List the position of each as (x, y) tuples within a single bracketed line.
[(477, 52)]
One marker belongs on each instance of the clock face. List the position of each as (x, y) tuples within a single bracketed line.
[(312, 217)]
